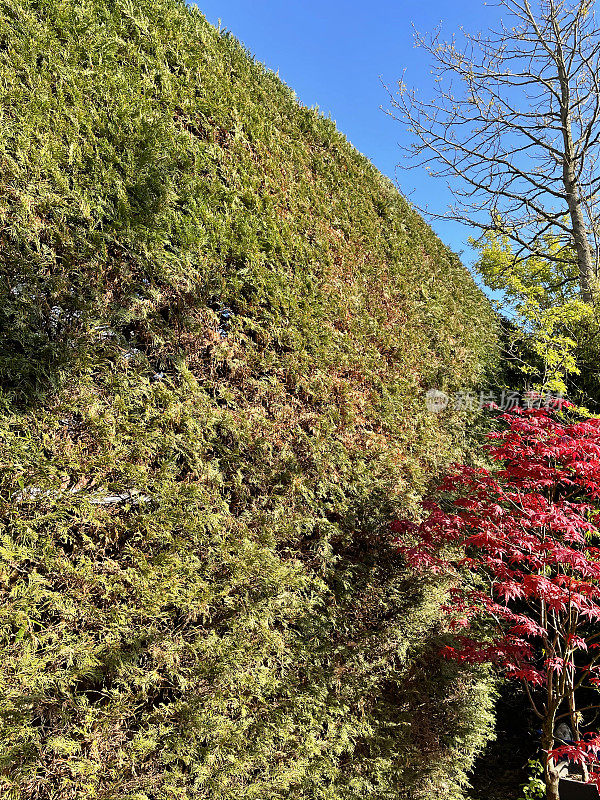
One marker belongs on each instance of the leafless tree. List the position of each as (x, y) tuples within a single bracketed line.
[(515, 118)]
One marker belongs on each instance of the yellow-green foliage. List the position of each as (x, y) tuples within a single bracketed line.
[(555, 337), (217, 324)]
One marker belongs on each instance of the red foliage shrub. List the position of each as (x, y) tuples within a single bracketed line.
[(520, 544)]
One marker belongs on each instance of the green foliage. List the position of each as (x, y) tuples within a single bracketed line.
[(554, 337), (217, 325), (535, 788)]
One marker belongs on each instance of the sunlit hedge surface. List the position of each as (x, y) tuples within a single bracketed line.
[(217, 325)]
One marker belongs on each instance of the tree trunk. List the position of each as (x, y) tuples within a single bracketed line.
[(579, 228), (582, 245), (550, 774)]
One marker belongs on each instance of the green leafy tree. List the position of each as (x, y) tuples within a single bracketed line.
[(551, 332)]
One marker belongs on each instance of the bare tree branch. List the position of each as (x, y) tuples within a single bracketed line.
[(513, 126)]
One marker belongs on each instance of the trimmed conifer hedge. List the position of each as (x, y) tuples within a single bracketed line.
[(217, 325)]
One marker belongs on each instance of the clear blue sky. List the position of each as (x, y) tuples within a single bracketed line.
[(335, 53)]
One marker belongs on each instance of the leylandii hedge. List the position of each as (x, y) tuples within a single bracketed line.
[(217, 324)]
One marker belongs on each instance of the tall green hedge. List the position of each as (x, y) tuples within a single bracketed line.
[(217, 325)]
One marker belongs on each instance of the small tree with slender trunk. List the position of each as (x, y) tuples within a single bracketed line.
[(515, 118), (519, 546)]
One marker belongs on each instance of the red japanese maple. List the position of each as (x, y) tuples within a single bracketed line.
[(520, 545)]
